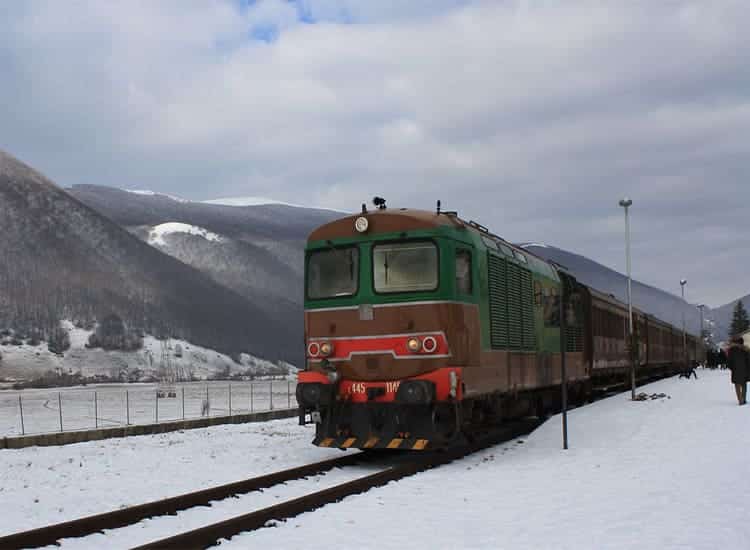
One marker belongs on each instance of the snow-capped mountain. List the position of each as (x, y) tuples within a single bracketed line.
[(63, 260), (250, 270)]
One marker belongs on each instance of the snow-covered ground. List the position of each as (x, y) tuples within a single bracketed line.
[(662, 473), (26, 361)]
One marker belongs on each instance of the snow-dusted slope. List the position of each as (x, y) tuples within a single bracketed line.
[(26, 361), (62, 258)]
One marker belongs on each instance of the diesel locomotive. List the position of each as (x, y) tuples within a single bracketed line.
[(420, 326)]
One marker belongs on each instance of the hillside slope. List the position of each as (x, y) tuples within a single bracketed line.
[(62, 259)]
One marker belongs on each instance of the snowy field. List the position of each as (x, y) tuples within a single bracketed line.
[(107, 405), (663, 473)]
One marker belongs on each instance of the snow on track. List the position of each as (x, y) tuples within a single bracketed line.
[(664, 473), (53, 484)]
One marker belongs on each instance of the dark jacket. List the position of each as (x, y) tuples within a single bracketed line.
[(738, 360)]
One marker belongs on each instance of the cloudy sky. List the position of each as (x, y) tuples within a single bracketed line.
[(532, 117)]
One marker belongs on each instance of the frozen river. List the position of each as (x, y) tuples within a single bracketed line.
[(34, 411)]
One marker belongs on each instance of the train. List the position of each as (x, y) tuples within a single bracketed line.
[(421, 328)]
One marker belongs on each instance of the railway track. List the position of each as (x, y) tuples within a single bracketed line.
[(210, 535), (401, 466), (50, 535)]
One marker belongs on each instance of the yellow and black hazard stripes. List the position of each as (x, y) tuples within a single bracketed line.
[(374, 442)]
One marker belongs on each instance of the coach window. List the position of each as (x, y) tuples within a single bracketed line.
[(405, 267), (463, 272), (551, 307), (538, 293)]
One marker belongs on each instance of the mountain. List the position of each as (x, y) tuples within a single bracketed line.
[(61, 259), (657, 302), (278, 228), (249, 270), (257, 250)]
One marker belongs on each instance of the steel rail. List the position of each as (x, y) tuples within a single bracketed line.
[(210, 535), (49, 535)]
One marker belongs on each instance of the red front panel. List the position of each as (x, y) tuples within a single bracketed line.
[(356, 391)]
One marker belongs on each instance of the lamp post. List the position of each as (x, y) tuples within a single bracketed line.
[(683, 282), (626, 203), (701, 335)]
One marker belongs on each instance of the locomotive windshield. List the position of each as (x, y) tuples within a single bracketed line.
[(333, 272), (405, 267)]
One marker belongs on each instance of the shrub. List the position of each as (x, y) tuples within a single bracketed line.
[(59, 341)]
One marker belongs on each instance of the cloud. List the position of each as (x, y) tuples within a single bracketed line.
[(531, 117)]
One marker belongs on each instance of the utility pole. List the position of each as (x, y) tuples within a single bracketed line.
[(683, 282), (626, 203)]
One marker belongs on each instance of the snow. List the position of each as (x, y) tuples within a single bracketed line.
[(662, 473), (54, 484), (260, 201), (155, 194), (26, 361), (158, 232), (248, 201)]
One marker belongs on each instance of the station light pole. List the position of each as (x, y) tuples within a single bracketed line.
[(626, 203), (701, 336), (683, 282)]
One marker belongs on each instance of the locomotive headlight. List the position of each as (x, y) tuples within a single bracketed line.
[(413, 345), (326, 349), (361, 224)]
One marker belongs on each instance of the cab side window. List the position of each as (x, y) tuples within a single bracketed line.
[(463, 272)]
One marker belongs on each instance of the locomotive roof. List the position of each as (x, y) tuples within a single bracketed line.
[(397, 220), (386, 221)]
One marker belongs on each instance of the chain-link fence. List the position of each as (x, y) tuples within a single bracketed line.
[(43, 411)]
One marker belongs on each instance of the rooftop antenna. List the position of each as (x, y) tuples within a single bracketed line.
[(438, 207), (364, 208)]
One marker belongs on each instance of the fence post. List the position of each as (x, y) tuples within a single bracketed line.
[(230, 399), (20, 407), (156, 394), (59, 408), (271, 392), (288, 394), (127, 408), (96, 410), (251, 397), (183, 402)]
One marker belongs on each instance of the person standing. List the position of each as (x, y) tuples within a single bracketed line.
[(738, 360)]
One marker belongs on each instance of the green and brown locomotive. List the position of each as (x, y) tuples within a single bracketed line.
[(420, 326)]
